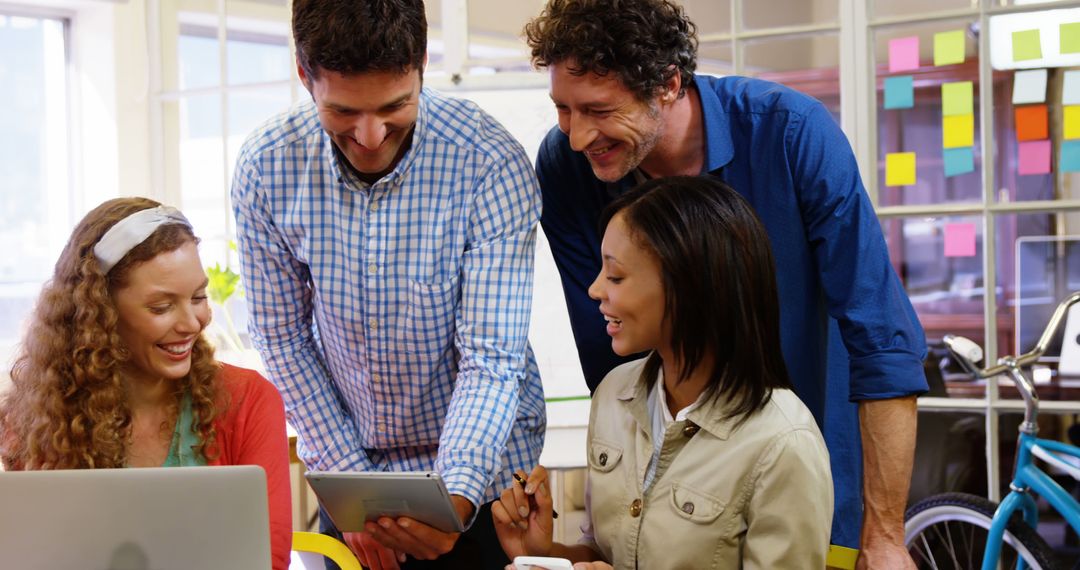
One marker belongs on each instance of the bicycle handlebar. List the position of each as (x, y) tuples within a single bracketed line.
[(1006, 362), (969, 353)]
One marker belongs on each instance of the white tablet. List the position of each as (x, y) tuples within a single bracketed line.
[(351, 498)]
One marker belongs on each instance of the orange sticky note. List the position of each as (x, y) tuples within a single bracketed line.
[(1031, 123), (1072, 122)]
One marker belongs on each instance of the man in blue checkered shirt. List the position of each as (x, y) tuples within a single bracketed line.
[(386, 235)]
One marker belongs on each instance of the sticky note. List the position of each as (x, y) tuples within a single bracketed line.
[(1070, 37), (1072, 122), (959, 240), (1070, 156), (958, 160), (1026, 45), (958, 131), (1029, 86), (903, 54), (900, 169), (949, 47), (899, 92), (1070, 90), (1034, 157), (956, 98), (1031, 123)]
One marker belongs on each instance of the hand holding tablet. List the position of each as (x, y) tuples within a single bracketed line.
[(352, 498)]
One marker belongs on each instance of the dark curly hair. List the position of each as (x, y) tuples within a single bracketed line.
[(68, 406), (358, 36), (644, 42)]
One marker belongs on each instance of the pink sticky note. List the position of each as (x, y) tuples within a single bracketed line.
[(903, 54), (1034, 157), (959, 240)]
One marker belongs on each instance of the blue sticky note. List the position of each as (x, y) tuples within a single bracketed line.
[(899, 92), (959, 160), (1070, 156)]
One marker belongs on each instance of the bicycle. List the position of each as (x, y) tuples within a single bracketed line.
[(958, 530)]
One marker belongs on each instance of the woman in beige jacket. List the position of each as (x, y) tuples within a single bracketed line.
[(700, 455)]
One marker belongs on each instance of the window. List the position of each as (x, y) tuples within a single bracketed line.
[(35, 172)]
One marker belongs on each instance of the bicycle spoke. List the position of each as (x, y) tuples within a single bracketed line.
[(929, 553)]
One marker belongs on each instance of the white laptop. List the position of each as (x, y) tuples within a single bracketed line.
[(178, 518)]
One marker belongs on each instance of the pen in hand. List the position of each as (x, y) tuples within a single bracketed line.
[(521, 481)]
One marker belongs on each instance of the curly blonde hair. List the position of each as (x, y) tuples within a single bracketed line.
[(68, 407)]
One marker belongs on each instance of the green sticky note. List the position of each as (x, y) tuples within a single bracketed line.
[(949, 47), (1070, 38), (956, 98), (1026, 45)]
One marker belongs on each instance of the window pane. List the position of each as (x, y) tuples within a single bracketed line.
[(495, 34), (258, 41), (883, 8), (780, 13), (939, 260), (1038, 266), (201, 167), (36, 202), (918, 123), (710, 16), (714, 58)]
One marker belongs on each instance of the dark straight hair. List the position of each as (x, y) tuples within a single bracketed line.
[(720, 295)]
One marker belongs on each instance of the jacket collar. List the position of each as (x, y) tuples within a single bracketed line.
[(709, 416)]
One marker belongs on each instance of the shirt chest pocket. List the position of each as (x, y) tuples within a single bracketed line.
[(695, 506), (427, 325)]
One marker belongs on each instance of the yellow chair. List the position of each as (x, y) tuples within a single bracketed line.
[(841, 558), (327, 546)]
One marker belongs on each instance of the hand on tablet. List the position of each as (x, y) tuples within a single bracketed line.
[(370, 553), (522, 516), (412, 537)]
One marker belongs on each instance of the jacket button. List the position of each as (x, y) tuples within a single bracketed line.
[(635, 508), (690, 429), (688, 508), (603, 459)]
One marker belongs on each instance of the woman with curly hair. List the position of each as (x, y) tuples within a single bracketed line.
[(114, 370)]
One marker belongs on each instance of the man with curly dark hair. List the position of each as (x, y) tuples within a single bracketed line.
[(386, 235), (631, 108)]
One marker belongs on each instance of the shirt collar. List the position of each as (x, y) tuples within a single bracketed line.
[(718, 146)]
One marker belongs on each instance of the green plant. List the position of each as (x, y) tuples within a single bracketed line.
[(223, 284)]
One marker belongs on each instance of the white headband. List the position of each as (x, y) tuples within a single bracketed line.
[(131, 231)]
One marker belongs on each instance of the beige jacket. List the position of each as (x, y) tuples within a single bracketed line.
[(756, 496)]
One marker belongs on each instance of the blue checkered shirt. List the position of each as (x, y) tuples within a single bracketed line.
[(393, 317)]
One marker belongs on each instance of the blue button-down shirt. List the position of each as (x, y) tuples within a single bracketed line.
[(393, 317), (838, 292)]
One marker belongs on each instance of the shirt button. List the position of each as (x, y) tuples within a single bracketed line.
[(376, 378), (688, 508), (374, 206), (380, 427), (603, 459), (635, 508), (690, 429), (373, 324), (373, 269)]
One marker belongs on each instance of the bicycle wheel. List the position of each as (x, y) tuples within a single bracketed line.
[(950, 530)]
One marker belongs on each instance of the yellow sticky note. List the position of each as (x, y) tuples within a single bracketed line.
[(949, 47), (1070, 37), (958, 131), (900, 169), (956, 98), (1072, 122), (1026, 45)]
